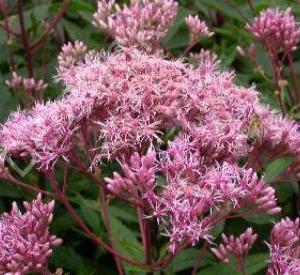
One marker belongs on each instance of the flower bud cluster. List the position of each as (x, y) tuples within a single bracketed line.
[(25, 240)]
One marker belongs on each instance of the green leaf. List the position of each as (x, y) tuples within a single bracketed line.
[(218, 229), (127, 243), (177, 36), (92, 218), (67, 258), (187, 259), (123, 213), (277, 167), (62, 223), (285, 191), (79, 6), (40, 12), (219, 269), (224, 8), (8, 190), (227, 56), (90, 211), (260, 218), (256, 262), (7, 101)]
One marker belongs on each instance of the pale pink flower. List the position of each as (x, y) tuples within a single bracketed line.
[(284, 248), (277, 30), (139, 177), (25, 240), (143, 23), (197, 29), (28, 85), (71, 54), (237, 246)]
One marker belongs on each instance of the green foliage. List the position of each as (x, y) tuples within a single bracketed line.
[(78, 254), (277, 167)]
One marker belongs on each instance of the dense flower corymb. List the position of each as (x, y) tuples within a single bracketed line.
[(239, 246), (143, 23), (197, 29), (127, 102), (277, 30), (285, 248), (25, 240)]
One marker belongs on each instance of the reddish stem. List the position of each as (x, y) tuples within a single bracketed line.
[(24, 39), (294, 77), (146, 235), (251, 5), (65, 201), (276, 75), (35, 46), (28, 186), (200, 258), (106, 219), (3, 8)]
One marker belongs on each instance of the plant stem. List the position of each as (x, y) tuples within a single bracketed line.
[(3, 8), (65, 201), (241, 266), (200, 258), (294, 77), (106, 219), (276, 75), (146, 235), (28, 186), (35, 46), (24, 39), (251, 5)]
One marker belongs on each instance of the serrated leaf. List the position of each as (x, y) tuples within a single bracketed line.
[(218, 229), (187, 259), (127, 243), (224, 8), (67, 258), (177, 36), (90, 211), (7, 101), (277, 167), (92, 218), (219, 269), (286, 191), (260, 218), (256, 262), (123, 213), (8, 190)]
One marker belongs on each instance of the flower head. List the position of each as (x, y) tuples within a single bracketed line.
[(31, 86), (25, 240), (197, 29), (71, 54), (284, 248), (143, 23), (277, 30), (239, 246)]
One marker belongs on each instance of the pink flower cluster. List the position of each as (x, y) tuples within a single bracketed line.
[(42, 134), (285, 248), (70, 54), (128, 102), (139, 177), (197, 29), (188, 205), (239, 247), (30, 85), (143, 23), (277, 30), (25, 240)]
